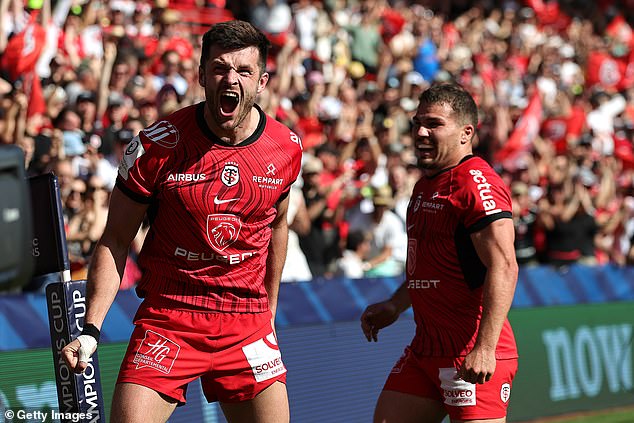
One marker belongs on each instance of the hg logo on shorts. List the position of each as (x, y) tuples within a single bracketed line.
[(156, 351)]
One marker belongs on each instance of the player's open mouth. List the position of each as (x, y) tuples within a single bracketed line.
[(228, 103)]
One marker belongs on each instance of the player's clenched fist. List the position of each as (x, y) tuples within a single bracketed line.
[(376, 317), (78, 352)]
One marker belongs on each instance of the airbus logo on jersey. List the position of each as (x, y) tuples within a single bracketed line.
[(163, 133), (490, 207), (230, 174), (186, 177)]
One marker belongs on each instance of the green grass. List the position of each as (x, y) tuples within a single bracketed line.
[(612, 416)]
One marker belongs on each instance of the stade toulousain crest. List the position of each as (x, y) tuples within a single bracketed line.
[(230, 174)]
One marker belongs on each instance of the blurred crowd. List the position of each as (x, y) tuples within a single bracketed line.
[(554, 82)]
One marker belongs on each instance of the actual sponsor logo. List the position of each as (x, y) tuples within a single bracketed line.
[(505, 392), (157, 352), (223, 230), (296, 139), (230, 174), (455, 391), (163, 133), (265, 358), (490, 207)]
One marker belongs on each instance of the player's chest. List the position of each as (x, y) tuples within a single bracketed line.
[(227, 181), (431, 214)]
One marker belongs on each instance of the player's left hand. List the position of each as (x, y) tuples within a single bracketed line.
[(478, 366)]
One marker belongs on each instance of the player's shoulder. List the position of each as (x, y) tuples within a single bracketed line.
[(169, 132), (475, 170), (282, 134)]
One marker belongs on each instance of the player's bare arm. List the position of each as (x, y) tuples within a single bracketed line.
[(276, 254), (494, 245), (379, 315), (107, 265)]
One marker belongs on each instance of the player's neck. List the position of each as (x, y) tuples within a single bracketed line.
[(238, 134)]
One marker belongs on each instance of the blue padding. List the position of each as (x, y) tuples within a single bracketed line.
[(293, 302), (24, 318), (315, 301), (9, 338), (337, 301), (549, 287), (118, 326), (586, 280)]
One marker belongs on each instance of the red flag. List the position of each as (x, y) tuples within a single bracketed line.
[(620, 30), (525, 131), (603, 70), (23, 50)]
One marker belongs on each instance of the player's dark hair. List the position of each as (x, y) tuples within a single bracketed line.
[(235, 35), (455, 96)]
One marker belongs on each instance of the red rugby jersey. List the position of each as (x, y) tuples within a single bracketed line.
[(444, 273), (211, 206)]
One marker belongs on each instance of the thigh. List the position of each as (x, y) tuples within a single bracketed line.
[(409, 394), (247, 360), (399, 407), (136, 403), (269, 406), (487, 402), (167, 350)]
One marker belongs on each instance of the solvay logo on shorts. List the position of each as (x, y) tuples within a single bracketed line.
[(223, 230), (156, 351), (485, 192), (265, 358), (455, 391), (163, 133), (230, 174)]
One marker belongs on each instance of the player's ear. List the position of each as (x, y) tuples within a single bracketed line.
[(468, 131), (264, 79), (201, 76)]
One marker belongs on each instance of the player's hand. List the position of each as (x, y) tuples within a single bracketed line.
[(376, 317), (478, 366), (77, 353)]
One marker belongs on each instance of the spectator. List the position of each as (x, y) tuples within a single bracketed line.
[(388, 237), (352, 262)]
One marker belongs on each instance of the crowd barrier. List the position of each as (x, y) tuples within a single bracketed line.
[(573, 328)]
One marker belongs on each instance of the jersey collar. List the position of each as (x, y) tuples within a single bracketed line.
[(202, 124)]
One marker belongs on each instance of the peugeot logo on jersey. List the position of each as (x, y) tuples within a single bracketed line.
[(222, 230), (230, 174)]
